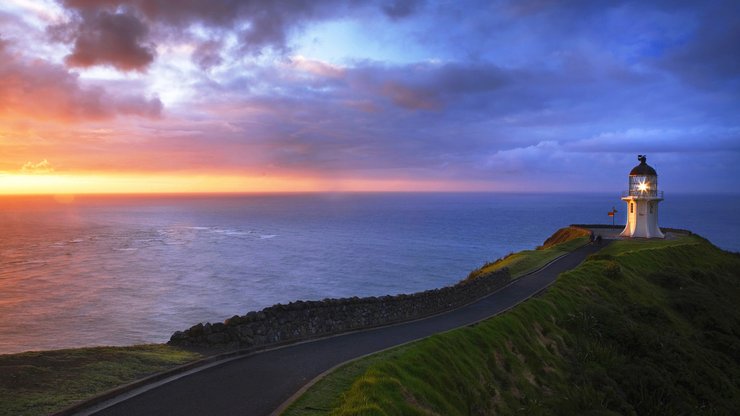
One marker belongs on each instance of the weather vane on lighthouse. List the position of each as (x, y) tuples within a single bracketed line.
[(642, 200)]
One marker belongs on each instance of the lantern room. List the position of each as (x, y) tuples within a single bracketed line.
[(643, 180), (642, 198)]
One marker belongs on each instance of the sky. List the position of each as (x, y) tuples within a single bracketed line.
[(139, 96)]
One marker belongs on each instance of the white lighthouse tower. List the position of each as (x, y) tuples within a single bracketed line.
[(642, 200)]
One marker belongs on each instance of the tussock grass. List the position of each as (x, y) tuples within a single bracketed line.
[(39, 383), (643, 327)]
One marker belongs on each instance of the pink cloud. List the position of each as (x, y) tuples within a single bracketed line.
[(316, 67), (39, 89), (409, 97)]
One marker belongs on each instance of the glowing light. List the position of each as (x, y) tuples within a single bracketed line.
[(642, 186)]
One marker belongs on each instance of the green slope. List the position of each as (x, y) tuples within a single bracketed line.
[(643, 327), (41, 382), (562, 242)]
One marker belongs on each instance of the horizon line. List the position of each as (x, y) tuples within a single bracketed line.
[(339, 192)]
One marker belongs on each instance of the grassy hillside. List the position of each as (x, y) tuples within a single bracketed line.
[(643, 327), (38, 383), (563, 241)]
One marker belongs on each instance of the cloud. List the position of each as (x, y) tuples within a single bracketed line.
[(316, 67), (398, 9), (462, 119), (411, 98), (533, 91), (433, 87), (37, 168), (115, 39), (38, 89), (474, 120), (700, 139), (117, 32), (123, 33), (207, 54), (711, 54)]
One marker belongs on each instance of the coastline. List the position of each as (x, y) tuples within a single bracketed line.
[(201, 356)]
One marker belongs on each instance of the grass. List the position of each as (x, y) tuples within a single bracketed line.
[(39, 383), (563, 241), (565, 235), (643, 327)]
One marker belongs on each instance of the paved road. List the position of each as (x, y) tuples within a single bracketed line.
[(258, 384)]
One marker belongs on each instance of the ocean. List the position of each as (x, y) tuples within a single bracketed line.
[(124, 270)]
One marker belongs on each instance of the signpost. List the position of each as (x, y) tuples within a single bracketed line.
[(611, 214)]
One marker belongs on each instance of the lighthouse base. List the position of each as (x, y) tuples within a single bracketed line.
[(642, 218), (654, 233)]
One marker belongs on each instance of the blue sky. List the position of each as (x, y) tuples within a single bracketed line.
[(399, 95)]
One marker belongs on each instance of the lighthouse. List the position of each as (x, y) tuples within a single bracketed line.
[(642, 200)]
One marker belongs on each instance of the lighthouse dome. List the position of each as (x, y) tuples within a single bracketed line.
[(643, 169)]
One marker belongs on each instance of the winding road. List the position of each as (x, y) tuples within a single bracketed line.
[(259, 383)]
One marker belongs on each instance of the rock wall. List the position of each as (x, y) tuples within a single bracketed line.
[(310, 319)]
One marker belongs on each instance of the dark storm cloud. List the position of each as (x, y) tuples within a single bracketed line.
[(41, 90)]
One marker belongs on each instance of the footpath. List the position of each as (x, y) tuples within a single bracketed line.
[(260, 383)]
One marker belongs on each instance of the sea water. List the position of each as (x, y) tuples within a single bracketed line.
[(122, 270)]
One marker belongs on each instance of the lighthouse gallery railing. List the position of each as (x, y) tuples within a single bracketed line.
[(646, 194)]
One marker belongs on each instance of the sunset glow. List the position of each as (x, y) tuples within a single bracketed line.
[(121, 97), (61, 184)]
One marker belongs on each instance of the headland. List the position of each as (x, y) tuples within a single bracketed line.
[(623, 278)]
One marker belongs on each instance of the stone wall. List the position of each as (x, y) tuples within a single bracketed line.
[(310, 319)]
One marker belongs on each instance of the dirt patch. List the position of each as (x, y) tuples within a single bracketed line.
[(411, 400), (510, 346)]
